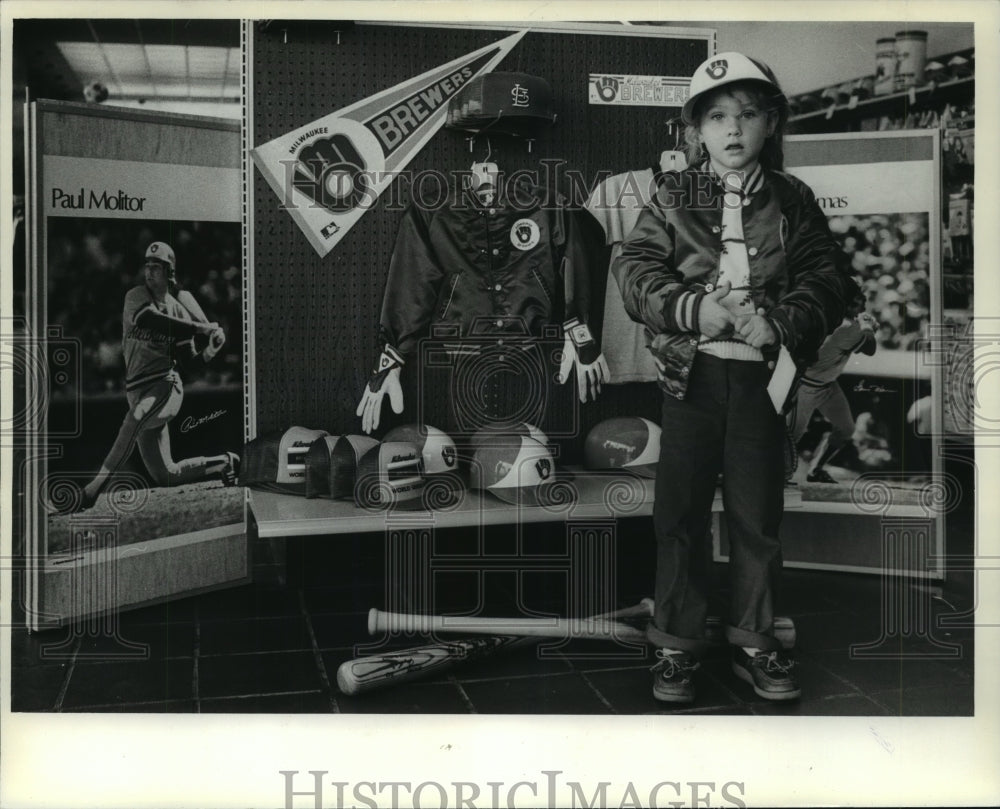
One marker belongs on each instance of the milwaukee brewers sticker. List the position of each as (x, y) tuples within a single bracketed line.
[(329, 172), (524, 234), (638, 91)]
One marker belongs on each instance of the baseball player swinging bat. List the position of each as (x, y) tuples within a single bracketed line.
[(364, 674), (378, 671)]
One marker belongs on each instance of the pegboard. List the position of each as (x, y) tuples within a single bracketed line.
[(316, 318)]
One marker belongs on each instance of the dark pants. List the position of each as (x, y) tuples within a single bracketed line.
[(726, 423)]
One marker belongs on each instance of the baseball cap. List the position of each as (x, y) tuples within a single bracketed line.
[(720, 70), (162, 251), (332, 465), (390, 474), (516, 469), (277, 461), (435, 447), (506, 102), (626, 442)]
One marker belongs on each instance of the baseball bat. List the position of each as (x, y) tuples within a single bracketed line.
[(364, 674), (601, 627), (188, 301), (594, 628)]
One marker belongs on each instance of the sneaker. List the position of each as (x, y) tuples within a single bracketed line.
[(770, 674), (231, 471), (820, 476), (672, 676)]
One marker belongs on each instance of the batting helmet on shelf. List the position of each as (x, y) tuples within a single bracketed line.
[(501, 102), (390, 474), (163, 252), (332, 465), (436, 448), (722, 69), (516, 469), (627, 442), (277, 461)]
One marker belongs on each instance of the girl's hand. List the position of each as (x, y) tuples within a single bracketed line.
[(715, 320), (755, 330)]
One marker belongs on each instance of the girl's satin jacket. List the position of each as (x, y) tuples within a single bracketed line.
[(670, 260)]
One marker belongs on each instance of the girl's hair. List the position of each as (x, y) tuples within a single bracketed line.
[(769, 98)]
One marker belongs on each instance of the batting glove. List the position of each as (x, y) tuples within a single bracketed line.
[(216, 339), (384, 379), (867, 321), (581, 350)]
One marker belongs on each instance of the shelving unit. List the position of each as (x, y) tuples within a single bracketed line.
[(849, 117)]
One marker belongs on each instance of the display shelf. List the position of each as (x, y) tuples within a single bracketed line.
[(894, 104), (598, 497)]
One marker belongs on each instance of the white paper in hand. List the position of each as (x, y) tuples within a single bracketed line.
[(781, 379)]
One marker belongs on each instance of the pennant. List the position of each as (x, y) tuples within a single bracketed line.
[(330, 172)]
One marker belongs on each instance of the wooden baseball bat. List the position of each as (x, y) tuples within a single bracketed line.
[(364, 674), (188, 301), (596, 627)]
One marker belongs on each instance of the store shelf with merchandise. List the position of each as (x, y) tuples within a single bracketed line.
[(852, 106), (584, 497)]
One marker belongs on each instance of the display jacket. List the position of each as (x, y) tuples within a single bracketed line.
[(670, 260), (473, 269)]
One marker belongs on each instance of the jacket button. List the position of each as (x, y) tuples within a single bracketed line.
[(492, 211), (684, 371), (496, 251), (709, 287), (716, 229), (499, 323), (497, 287), (752, 251), (693, 341), (770, 365)]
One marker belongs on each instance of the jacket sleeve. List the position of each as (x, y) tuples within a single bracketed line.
[(653, 291), (820, 285), (577, 258), (413, 284)]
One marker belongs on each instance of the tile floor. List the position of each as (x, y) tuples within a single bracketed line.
[(274, 647)]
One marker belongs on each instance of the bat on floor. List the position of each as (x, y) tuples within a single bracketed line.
[(364, 674)]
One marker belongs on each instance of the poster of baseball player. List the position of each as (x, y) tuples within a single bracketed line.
[(155, 310)]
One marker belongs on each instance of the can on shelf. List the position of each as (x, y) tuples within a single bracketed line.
[(911, 57), (885, 66)]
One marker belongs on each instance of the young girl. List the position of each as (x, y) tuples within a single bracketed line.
[(730, 261)]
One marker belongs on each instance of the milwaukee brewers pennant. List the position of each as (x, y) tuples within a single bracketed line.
[(328, 173)]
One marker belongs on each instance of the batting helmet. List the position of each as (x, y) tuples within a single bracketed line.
[(627, 442), (517, 470), (390, 475), (161, 251), (436, 448)]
